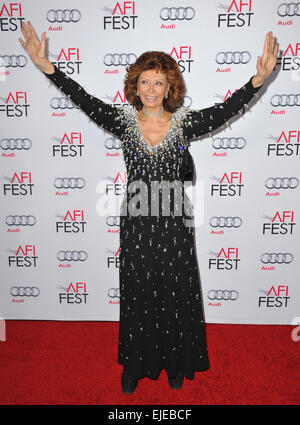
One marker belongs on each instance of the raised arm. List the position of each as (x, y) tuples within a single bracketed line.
[(104, 114), (199, 122)]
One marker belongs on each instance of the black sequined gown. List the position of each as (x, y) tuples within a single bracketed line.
[(161, 319)]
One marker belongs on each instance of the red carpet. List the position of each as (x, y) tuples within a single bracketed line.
[(74, 363)]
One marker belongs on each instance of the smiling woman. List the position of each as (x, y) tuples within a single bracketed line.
[(154, 85), (167, 69), (161, 319)]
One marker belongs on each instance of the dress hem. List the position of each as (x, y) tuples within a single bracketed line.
[(155, 376)]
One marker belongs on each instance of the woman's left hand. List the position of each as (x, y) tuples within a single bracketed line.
[(266, 63)]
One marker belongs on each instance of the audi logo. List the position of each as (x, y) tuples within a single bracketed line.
[(25, 291), (113, 220), (13, 144), (276, 258), (72, 255), (20, 220), (112, 143), (229, 143), (177, 13), (225, 221), (13, 61), (285, 100), (119, 59), (233, 57), (186, 101), (220, 294), (114, 292), (69, 182), (282, 182), (65, 15), (289, 9), (62, 103)]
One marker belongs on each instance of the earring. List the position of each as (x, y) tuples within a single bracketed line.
[(166, 96), (137, 93)]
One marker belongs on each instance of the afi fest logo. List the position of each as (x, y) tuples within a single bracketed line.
[(11, 16), (24, 257), (281, 224), (290, 59), (69, 146), (238, 14), (121, 17), (112, 191), (73, 222), (118, 99), (225, 259), (183, 56), (287, 144), (113, 260), (20, 184), (68, 60), (230, 184), (276, 297), (76, 293), (15, 104)]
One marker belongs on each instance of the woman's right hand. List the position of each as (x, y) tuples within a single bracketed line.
[(35, 48)]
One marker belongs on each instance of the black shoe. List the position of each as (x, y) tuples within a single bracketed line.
[(177, 381), (128, 383)]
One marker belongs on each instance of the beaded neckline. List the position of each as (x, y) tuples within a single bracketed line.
[(142, 138)]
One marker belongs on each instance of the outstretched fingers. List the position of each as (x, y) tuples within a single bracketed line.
[(32, 30), (28, 31), (266, 45), (22, 41)]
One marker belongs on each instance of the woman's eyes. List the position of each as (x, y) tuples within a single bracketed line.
[(158, 83)]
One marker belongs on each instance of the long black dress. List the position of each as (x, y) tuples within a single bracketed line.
[(161, 322)]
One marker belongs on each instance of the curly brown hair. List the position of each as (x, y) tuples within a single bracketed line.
[(162, 62)]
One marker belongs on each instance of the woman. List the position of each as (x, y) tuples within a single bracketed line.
[(161, 320)]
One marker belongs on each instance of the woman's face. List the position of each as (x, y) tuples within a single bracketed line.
[(152, 86)]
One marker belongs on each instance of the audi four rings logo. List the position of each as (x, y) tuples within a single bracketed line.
[(289, 9), (20, 220), (285, 100), (13, 144), (62, 103), (13, 61), (65, 15), (69, 182), (113, 220), (282, 182), (112, 143), (25, 291), (119, 59), (72, 255), (220, 294), (233, 57), (229, 143), (187, 101), (177, 13), (113, 293), (225, 221), (277, 258)]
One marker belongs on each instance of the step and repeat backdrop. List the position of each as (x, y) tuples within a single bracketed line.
[(59, 252)]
